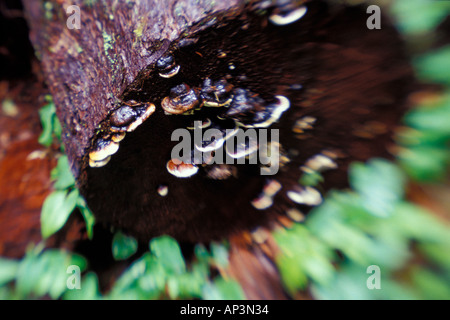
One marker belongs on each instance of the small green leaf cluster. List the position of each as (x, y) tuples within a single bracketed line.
[(41, 273), (65, 198), (51, 127), (372, 224), (162, 273), (426, 154)]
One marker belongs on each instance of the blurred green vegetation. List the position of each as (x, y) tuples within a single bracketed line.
[(372, 224), (330, 253)]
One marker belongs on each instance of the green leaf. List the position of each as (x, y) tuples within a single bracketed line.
[(427, 156), (418, 224), (311, 179), (432, 286), (44, 273), (413, 138), (222, 289), (89, 289), (419, 16), (88, 216), (350, 283), (6, 293), (123, 246), (129, 278), (432, 116), (57, 129), (52, 280), (435, 66), (47, 114), (62, 174), (219, 254), (380, 184), (343, 223), (425, 163), (56, 210), (293, 277), (201, 253), (30, 270), (302, 256), (153, 282), (8, 270), (190, 284), (438, 252), (167, 250)]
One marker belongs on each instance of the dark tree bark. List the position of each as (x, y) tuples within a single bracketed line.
[(88, 69), (346, 84)]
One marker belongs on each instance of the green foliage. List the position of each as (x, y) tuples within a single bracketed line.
[(434, 66), (349, 283), (88, 216), (56, 210), (311, 179), (304, 256), (419, 16), (353, 224), (59, 205), (163, 274), (169, 254), (434, 286), (51, 127), (219, 253), (89, 289), (41, 273), (8, 270), (426, 153), (380, 185), (221, 289), (61, 175), (123, 246)]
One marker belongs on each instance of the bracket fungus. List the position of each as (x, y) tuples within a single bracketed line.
[(167, 66), (284, 16), (289, 66), (181, 100)]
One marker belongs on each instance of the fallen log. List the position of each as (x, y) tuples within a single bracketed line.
[(136, 71)]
